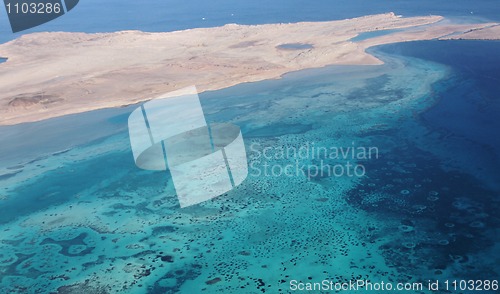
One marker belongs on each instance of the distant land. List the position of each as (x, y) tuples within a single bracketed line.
[(54, 74)]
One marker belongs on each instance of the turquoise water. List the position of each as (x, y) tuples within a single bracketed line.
[(373, 34), (78, 214)]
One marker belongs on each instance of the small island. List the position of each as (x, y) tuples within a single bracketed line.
[(59, 73)]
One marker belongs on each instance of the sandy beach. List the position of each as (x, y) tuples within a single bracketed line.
[(54, 74)]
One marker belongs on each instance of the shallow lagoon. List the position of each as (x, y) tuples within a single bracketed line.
[(373, 34), (87, 218)]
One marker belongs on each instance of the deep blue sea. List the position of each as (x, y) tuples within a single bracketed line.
[(77, 215)]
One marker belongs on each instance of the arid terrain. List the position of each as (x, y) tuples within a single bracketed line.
[(54, 74)]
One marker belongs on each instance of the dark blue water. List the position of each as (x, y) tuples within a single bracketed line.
[(158, 16), (469, 108), (459, 197)]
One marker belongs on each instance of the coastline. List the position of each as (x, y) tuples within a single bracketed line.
[(96, 193), (80, 72)]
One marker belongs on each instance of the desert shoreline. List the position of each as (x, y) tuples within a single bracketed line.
[(109, 70)]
